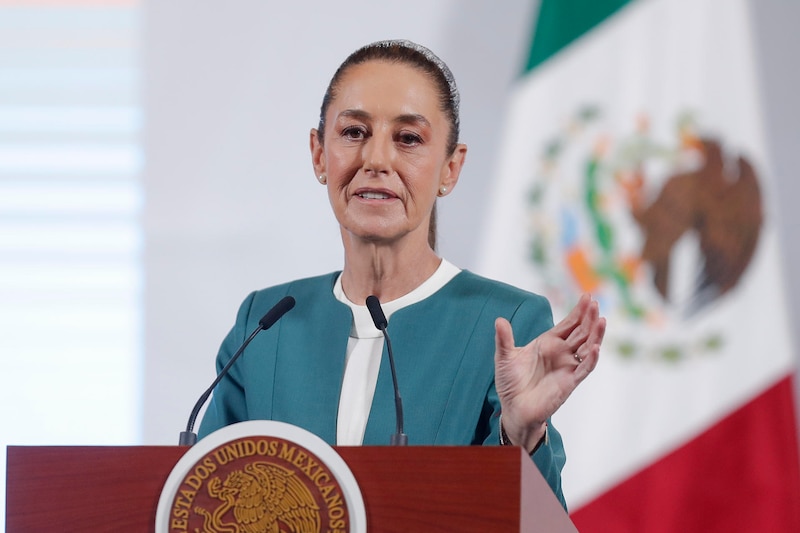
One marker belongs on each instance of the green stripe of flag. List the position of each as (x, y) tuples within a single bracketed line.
[(562, 21)]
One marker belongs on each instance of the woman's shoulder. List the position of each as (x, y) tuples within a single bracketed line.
[(529, 312), (303, 285), (494, 289), (315, 289)]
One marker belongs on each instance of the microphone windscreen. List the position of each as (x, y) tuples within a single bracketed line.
[(375, 311), (277, 311)]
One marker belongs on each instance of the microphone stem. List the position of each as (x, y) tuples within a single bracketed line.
[(399, 438), (189, 438)]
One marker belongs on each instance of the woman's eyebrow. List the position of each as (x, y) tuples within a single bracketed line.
[(413, 118), (357, 114)]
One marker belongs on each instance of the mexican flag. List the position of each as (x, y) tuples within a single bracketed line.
[(635, 167)]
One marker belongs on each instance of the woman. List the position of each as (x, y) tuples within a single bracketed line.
[(386, 148)]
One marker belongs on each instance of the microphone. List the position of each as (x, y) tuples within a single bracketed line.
[(189, 437), (374, 305)]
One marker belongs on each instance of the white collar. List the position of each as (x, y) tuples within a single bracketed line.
[(364, 328)]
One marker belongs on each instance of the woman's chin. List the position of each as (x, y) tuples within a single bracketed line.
[(381, 236)]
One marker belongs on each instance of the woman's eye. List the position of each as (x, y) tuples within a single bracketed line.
[(409, 139), (354, 132)]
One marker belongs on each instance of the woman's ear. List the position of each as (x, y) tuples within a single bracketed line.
[(317, 153), (452, 169)]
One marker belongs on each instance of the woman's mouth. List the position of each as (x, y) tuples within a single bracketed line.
[(374, 195)]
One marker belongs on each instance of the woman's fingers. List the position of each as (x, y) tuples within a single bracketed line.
[(585, 327), (589, 351), (566, 326)]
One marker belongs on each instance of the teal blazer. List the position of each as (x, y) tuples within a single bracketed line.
[(444, 357)]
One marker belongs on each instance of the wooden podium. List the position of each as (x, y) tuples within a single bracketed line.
[(415, 488)]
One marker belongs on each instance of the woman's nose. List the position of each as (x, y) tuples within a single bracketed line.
[(378, 153)]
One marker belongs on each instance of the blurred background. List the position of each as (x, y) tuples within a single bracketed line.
[(154, 169)]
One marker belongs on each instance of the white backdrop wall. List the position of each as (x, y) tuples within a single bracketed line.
[(232, 90)]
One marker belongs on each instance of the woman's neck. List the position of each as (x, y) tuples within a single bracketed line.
[(386, 271)]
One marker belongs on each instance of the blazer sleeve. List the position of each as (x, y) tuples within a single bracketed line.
[(530, 319)]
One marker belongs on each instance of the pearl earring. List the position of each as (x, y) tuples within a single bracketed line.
[(323, 179), (442, 190)]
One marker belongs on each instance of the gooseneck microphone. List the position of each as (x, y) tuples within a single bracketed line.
[(374, 305), (189, 437)]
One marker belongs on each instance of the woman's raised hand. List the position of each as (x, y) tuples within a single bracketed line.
[(534, 380)]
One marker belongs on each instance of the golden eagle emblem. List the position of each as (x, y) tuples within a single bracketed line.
[(265, 498)]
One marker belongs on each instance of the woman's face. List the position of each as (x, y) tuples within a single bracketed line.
[(384, 152)]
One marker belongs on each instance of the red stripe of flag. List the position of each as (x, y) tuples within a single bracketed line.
[(743, 474)]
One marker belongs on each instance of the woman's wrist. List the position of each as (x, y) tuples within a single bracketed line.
[(531, 442)]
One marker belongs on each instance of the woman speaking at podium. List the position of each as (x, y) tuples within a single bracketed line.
[(477, 361)]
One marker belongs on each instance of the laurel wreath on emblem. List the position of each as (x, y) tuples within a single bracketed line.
[(581, 232)]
